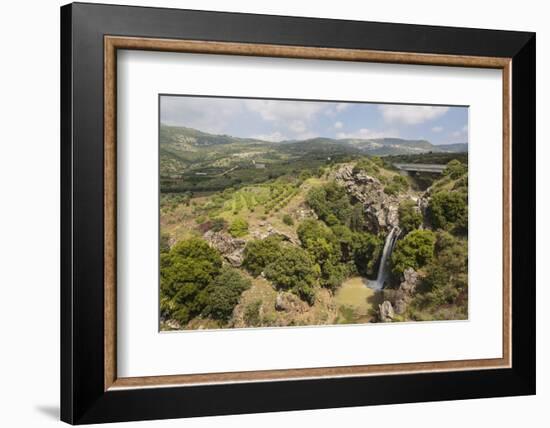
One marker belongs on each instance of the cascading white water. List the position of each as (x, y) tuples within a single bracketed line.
[(386, 253)]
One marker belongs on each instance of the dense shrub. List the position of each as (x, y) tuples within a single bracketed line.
[(410, 217), (222, 295), (455, 169), (164, 244), (238, 228), (260, 253), (449, 211), (446, 282), (294, 270), (323, 245), (397, 185), (415, 250), (287, 219), (185, 271), (366, 252), (330, 200)]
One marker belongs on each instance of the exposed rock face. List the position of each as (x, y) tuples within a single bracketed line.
[(381, 210), (289, 302), (406, 290), (230, 248), (270, 231), (386, 311)]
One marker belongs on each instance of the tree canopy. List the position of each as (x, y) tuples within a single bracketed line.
[(415, 250)]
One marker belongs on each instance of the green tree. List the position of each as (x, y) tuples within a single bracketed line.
[(447, 275), (449, 211), (366, 252), (294, 270), (222, 294), (330, 200), (323, 245), (259, 253), (410, 217), (238, 228), (455, 169), (397, 185), (415, 250), (185, 270)]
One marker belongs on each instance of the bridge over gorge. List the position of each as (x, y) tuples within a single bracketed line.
[(420, 167)]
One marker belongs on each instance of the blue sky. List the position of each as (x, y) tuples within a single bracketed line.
[(278, 120)]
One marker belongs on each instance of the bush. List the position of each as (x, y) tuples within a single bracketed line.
[(294, 270), (446, 277), (222, 295), (455, 169), (449, 211), (367, 249), (323, 245), (259, 253), (218, 224), (238, 228), (185, 271), (330, 200), (252, 313), (164, 244), (410, 217), (397, 185), (287, 219), (415, 250)]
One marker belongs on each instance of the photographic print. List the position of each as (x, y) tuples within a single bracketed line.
[(280, 212)]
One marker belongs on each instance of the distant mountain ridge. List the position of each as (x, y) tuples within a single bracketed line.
[(182, 138)]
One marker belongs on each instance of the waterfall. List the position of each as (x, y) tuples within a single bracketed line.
[(386, 253)]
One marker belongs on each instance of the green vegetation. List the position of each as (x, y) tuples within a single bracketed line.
[(258, 254), (287, 219), (443, 293), (415, 251), (238, 228), (323, 241), (294, 270), (449, 211), (367, 249), (222, 294), (397, 185), (410, 217), (186, 270), (331, 203)]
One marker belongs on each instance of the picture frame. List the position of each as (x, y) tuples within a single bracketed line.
[(91, 390)]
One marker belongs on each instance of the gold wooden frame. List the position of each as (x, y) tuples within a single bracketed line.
[(113, 43)]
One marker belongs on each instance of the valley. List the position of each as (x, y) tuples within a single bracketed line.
[(263, 234)]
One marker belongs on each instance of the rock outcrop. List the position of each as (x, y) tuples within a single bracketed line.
[(230, 248), (381, 209), (406, 290), (289, 302), (385, 311)]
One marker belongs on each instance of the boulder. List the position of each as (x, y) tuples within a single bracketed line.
[(230, 248), (386, 311)]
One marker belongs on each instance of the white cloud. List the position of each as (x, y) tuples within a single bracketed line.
[(198, 112), (298, 126), (338, 125), (437, 129), (283, 111), (274, 136), (366, 134), (341, 106), (411, 115)]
